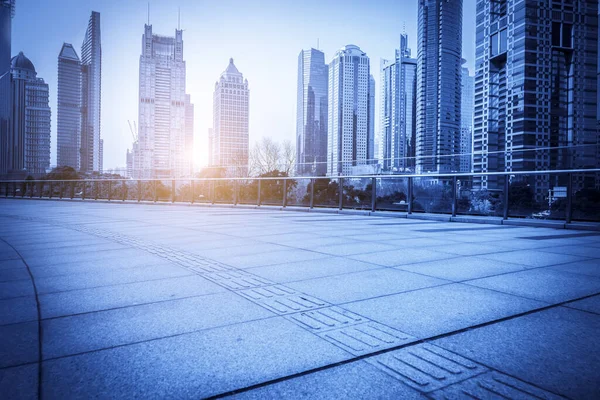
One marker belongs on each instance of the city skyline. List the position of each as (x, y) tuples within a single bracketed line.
[(123, 39)]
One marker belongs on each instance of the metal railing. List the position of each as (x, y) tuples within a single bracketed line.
[(558, 195)]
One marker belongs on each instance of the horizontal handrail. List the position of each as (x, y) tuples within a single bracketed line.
[(377, 176)]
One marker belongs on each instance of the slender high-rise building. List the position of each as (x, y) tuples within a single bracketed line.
[(7, 9), (371, 158), (160, 151), (536, 71), (348, 115), (466, 125), (311, 114), (91, 80), (438, 86), (230, 136), (30, 137), (189, 134), (398, 110), (68, 113)]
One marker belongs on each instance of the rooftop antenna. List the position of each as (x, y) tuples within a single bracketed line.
[(318, 44), (179, 19), (148, 13)]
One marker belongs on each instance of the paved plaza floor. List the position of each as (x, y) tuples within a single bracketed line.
[(129, 301)]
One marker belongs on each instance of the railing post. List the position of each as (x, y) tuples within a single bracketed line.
[(341, 192), (109, 191), (23, 189), (32, 190), (51, 190), (569, 211), (173, 191), (284, 202), (125, 190), (192, 191), (72, 190), (154, 194), (409, 208), (139, 190), (454, 196), (506, 196), (212, 192), (312, 192), (258, 193), (373, 194), (96, 189), (83, 191), (235, 193)]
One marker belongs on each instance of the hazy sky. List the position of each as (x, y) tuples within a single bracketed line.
[(264, 37)]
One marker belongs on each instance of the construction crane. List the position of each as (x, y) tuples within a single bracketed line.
[(133, 130)]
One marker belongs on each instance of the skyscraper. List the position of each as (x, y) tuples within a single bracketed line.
[(30, 138), (466, 125), (91, 79), (189, 133), (371, 159), (348, 115), (398, 110), (438, 85), (535, 90), (68, 119), (160, 152), (230, 136), (311, 115), (7, 9)]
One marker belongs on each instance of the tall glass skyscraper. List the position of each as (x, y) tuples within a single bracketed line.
[(7, 9), (398, 110), (229, 139), (438, 85), (466, 125), (349, 100), (311, 115), (91, 63), (160, 151), (68, 119), (535, 89), (30, 139)]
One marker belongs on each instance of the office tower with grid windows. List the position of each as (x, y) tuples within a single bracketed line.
[(68, 113), (535, 91), (161, 146), (30, 136), (7, 10), (439, 58), (398, 110), (349, 101), (229, 137), (311, 114), (466, 116)]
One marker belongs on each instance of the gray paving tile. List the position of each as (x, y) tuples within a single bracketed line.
[(52, 252), (551, 349), (533, 258), (591, 304), (11, 264), (301, 270), (433, 311), (104, 329), (575, 250), (363, 285), (400, 257), (275, 257), (20, 309), (19, 344), (462, 268), (96, 266), (589, 267), (352, 248), (19, 383), (544, 284), (106, 278), (469, 249), (192, 366), (102, 298), (13, 289), (13, 274), (49, 259), (357, 380)]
